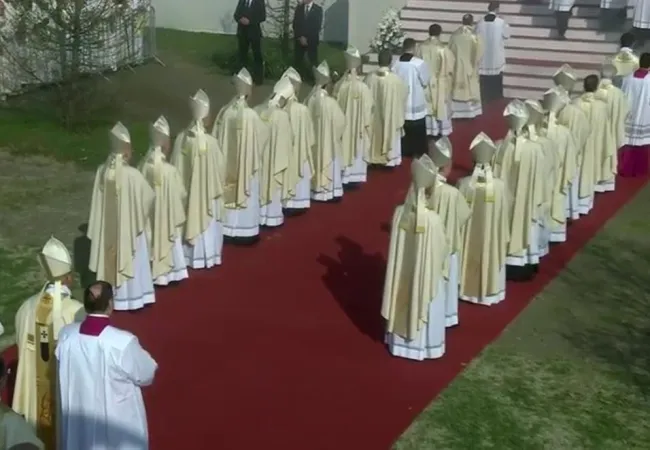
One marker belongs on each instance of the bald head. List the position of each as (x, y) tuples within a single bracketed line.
[(98, 298)]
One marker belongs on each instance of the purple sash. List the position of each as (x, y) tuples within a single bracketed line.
[(94, 325)]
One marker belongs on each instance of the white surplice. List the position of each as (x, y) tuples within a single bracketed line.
[(493, 34), (99, 382), (637, 125), (416, 75), (641, 14)]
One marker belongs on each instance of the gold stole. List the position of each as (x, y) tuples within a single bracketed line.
[(111, 232), (45, 373)]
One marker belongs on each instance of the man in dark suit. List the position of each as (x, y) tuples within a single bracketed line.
[(307, 23), (249, 16)]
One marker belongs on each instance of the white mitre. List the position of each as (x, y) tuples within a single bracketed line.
[(441, 153), (119, 135), (565, 77), (200, 105), (422, 177), (161, 125), (553, 101), (293, 75), (282, 91), (352, 58), (482, 149), (243, 82), (516, 115), (535, 111), (57, 262), (322, 74)]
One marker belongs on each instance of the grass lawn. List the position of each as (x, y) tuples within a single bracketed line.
[(573, 371)]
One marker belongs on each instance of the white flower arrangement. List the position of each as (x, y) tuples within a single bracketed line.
[(389, 34)]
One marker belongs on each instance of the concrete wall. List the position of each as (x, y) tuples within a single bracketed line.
[(346, 21)]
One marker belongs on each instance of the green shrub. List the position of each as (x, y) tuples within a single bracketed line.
[(226, 58)]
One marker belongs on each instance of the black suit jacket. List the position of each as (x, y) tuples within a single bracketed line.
[(255, 13), (308, 25)]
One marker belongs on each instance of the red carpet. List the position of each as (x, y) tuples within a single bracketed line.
[(281, 348)]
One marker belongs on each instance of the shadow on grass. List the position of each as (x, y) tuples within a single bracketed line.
[(617, 328)]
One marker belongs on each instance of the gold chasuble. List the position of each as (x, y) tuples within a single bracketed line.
[(467, 49), (122, 201), (417, 254), (329, 128), (566, 149), (598, 162), (389, 95), (38, 323), (356, 102), (168, 216), (441, 62), (519, 163), (276, 156), (301, 162), (242, 137), (617, 106), (196, 156), (486, 236)]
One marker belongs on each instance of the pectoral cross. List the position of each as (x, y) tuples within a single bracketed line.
[(44, 335)]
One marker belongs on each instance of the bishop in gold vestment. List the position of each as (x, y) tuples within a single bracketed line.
[(356, 102), (276, 183), (329, 128), (38, 322), (122, 202), (454, 211), (467, 48), (598, 162), (575, 119), (485, 241), (168, 219), (617, 108), (198, 158), (389, 95), (414, 294), (566, 149), (301, 162), (441, 62), (242, 137), (519, 163)]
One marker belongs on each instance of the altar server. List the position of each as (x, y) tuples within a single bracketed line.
[(451, 206), (485, 241), (101, 372), (414, 294), (519, 163), (242, 138), (120, 211), (633, 157), (567, 151), (356, 102), (168, 219), (493, 31), (329, 128), (276, 184), (441, 63), (467, 48), (38, 323), (389, 94)]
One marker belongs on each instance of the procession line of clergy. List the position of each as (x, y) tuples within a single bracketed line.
[(451, 243)]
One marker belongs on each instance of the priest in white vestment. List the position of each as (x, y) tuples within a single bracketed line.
[(356, 102), (329, 128), (485, 241), (519, 162), (38, 323), (567, 152), (276, 183), (242, 137), (447, 201), (633, 157), (576, 120), (416, 75), (625, 61), (493, 32), (15, 432), (168, 219), (389, 93), (467, 48), (441, 63), (199, 161), (101, 372), (414, 293), (301, 162), (121, 207), (563, 10)]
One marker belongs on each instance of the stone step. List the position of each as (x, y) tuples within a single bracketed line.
[(516, 31), (479, 8), (523, 94)]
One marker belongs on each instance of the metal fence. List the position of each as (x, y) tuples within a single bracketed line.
[(126, 39)]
